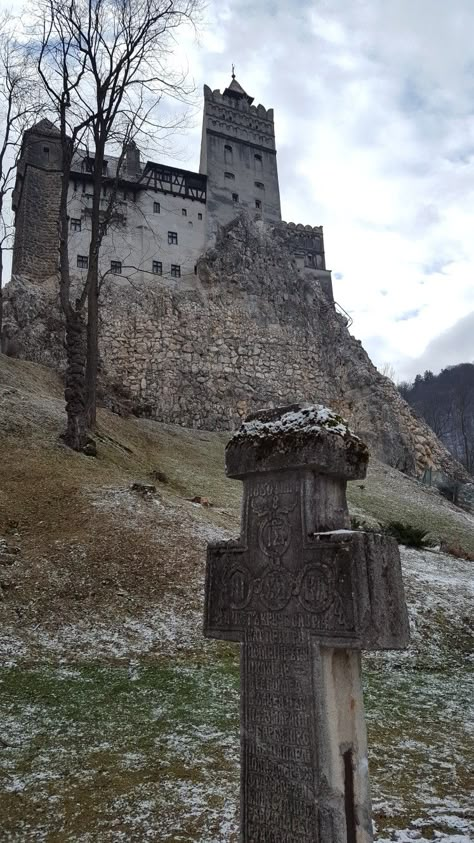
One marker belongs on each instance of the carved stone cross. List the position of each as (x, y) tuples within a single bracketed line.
[(303, 595)]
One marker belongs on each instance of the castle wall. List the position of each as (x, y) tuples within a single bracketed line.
[(306, 244), (138, 235), (238, 154), (36, 205)]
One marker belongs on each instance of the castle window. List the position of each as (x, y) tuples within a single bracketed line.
[(258, 163), (258, 204), (175, 270), (156, 208), (184, 212), (172, 238), (260, 185), (116, 267), (46, 152), (82, 262), (228, 154), (157, 268), (199, 216), (88, 165), (75, 224), (235, 198), (229, 176)]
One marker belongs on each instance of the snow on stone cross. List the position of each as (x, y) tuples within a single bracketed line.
[(303, 595)]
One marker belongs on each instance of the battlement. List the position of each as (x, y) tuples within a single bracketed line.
[(300, 227), (238, 104), (305, 241)]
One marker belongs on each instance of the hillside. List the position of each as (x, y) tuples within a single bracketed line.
[(116, 711)]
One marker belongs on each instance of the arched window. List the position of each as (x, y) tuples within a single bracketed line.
[(258, 163), (228, 154)]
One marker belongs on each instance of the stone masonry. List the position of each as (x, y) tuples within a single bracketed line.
[(35, 202)]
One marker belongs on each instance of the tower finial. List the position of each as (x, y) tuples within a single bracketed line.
[(233, 71)]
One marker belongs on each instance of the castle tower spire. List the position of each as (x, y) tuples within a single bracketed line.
[(236, 90)]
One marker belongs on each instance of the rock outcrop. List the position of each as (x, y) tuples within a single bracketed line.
[(247, 331)]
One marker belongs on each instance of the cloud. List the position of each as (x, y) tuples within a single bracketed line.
[(408, 314), (455, 345)]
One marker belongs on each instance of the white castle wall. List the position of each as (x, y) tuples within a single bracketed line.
[(139, 236)]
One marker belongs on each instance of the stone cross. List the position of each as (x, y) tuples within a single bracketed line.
[(303, 595)]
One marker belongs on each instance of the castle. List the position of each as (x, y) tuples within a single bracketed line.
[(164, 217), (211, 307)]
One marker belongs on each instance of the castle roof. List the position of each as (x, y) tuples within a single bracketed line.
[(44, 127), (235, 90)]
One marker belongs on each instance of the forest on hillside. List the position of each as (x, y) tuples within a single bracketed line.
[(446, 402)]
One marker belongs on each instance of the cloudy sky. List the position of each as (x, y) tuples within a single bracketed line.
[(374, 114)]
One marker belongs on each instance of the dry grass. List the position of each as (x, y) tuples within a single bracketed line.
[(88, 546)]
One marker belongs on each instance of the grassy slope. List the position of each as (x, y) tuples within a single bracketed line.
[(103, 575)]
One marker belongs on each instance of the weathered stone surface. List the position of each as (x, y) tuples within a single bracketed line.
[(302, 600)]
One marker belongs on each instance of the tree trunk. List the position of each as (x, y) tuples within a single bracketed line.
[(76, 430), (93, 287), (1, 299), (92, 351)]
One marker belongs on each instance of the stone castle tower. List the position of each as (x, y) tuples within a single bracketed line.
[(35, 202), (238, 155)]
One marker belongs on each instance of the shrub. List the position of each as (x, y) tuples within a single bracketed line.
[(406, 533), (450, 489)]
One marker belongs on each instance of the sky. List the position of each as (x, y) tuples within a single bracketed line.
[(374, 121)]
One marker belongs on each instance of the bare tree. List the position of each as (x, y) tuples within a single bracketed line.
[(105, 65), (388, 371), (19, 107)]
